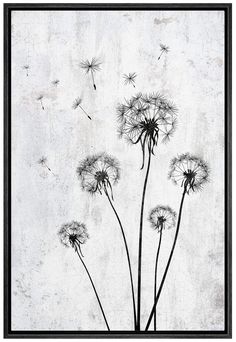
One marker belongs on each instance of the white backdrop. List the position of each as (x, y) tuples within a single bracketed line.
[(49, 287)]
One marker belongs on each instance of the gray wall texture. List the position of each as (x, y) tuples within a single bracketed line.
[(50, 290)]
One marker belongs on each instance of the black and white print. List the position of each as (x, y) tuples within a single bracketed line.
[(118, 170)]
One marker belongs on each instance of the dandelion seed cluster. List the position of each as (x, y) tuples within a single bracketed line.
[(73, 234), (162, 217), (146, 119), (189, 171), (98, 173)]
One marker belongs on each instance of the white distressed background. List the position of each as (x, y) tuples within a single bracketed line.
[(50, 289)]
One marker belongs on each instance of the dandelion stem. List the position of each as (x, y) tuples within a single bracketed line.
[(127, 253), (85, 112), (94, 85), (42, 104), (160, 55), (140, 242), (169, 260), (155, 279), (90, 278), (48, 167)]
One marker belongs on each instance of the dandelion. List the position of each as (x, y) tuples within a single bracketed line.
[(98, 174), (91, 67), (148, 120), (77, 103), (43, 161), (74, 234), (40, 99), (164, 49), (161, 217), (191, 173), (26, 67), (55, 82), (130, 78)]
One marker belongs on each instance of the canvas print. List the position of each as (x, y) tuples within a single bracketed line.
[(118, 150)]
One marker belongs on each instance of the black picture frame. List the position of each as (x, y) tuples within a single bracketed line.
[(227, 332)]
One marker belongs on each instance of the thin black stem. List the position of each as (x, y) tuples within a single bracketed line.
[(160, 55), (127, 253), (140, 243), (90, 278), (155, 279), (85, 112), (48, 167), (169, 260), (42, 104), (94, 85)]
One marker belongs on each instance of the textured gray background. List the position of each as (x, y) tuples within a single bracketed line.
[(50, 289)]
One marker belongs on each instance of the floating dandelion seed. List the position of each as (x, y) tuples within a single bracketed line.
[(161, 217), (146, 119), (74, 234), (55, 82), (98, 173), (130, 78), (40, 99), (91, 67), (43, 161), (191, 173), (164, 49), (77, 103), (26, 68)]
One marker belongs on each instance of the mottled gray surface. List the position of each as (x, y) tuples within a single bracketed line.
[(50, 289)]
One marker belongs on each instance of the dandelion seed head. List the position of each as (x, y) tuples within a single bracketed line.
[(73, 234), (189, 171), (147, 119), (98, 173), (162, 217)]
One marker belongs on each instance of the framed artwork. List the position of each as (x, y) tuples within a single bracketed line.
[(117, 170)]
